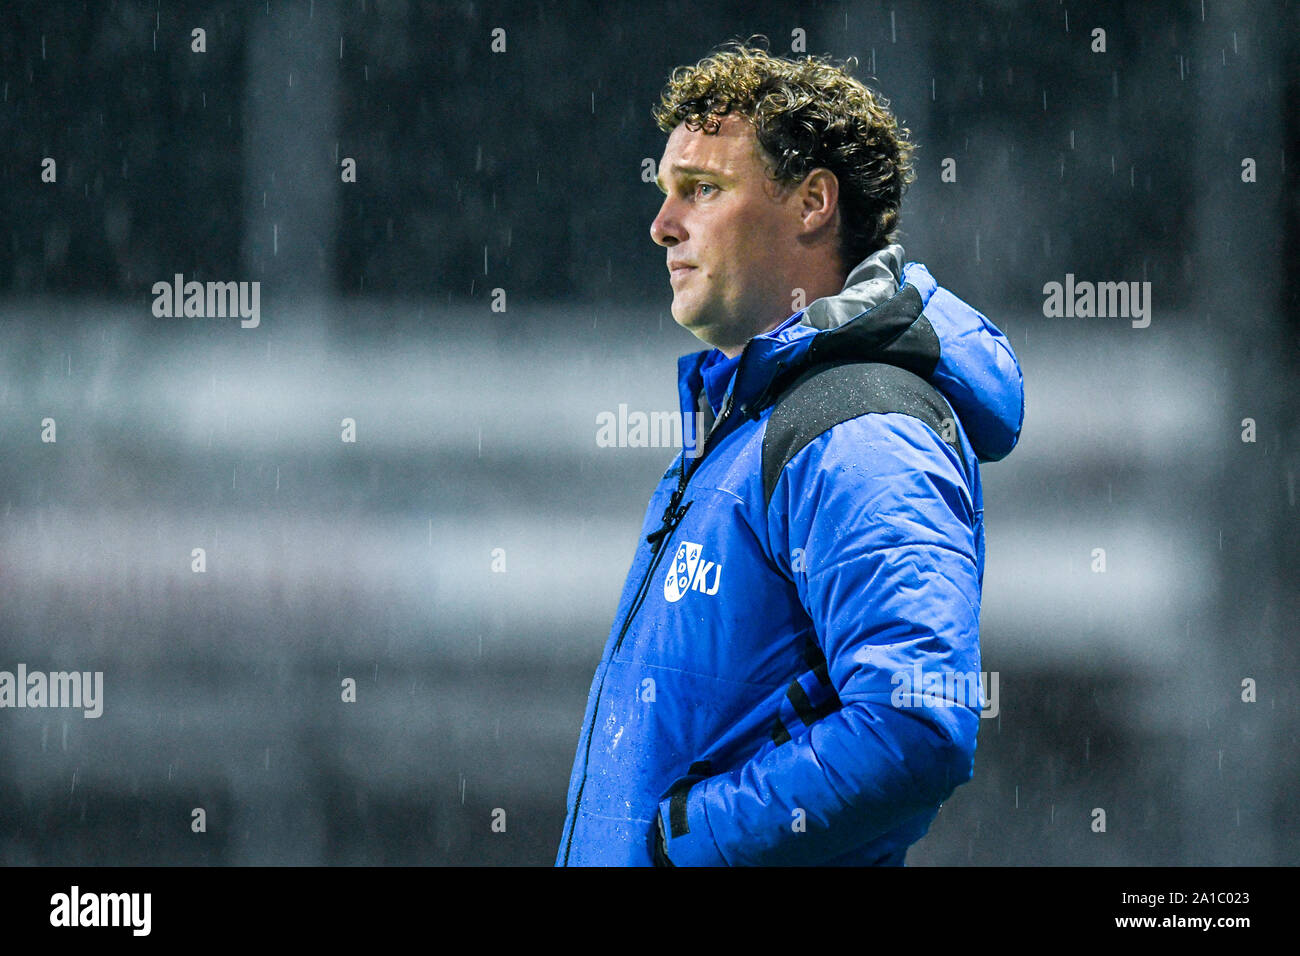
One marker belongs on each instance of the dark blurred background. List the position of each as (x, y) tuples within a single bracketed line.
[(461, 560)]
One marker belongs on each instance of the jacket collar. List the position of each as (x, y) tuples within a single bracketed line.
[(832, 328)]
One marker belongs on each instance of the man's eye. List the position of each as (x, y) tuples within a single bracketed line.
[(699, 186)]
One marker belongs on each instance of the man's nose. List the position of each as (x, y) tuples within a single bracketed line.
[(666, 229)]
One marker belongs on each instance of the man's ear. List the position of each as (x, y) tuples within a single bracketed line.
[(819, 199)]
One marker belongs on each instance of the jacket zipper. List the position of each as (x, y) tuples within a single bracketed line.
[(679, 513), (673, 513), (658, 554), (672, 517)]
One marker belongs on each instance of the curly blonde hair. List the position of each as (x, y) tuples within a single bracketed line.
[(806, 113)]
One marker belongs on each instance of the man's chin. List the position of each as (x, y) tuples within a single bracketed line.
[(710, 337), (702, 332), (701, 328)]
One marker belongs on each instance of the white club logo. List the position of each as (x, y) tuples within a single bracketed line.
[(688, 573)]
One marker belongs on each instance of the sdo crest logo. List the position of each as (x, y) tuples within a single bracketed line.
[(689, 573)]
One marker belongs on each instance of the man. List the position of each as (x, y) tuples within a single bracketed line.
[(777, 686)]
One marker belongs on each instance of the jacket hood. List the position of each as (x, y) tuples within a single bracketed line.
[(893, 312)]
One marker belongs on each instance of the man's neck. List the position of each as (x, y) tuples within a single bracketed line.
[(731, 351), (830, 284)]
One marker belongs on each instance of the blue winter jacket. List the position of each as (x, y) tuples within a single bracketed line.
[(765, 695)]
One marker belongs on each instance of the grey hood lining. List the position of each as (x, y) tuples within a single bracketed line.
[(872, 281)]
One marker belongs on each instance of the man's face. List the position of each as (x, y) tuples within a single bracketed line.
[(725, 220)]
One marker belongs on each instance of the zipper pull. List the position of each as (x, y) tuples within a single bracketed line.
[(672, 517)]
